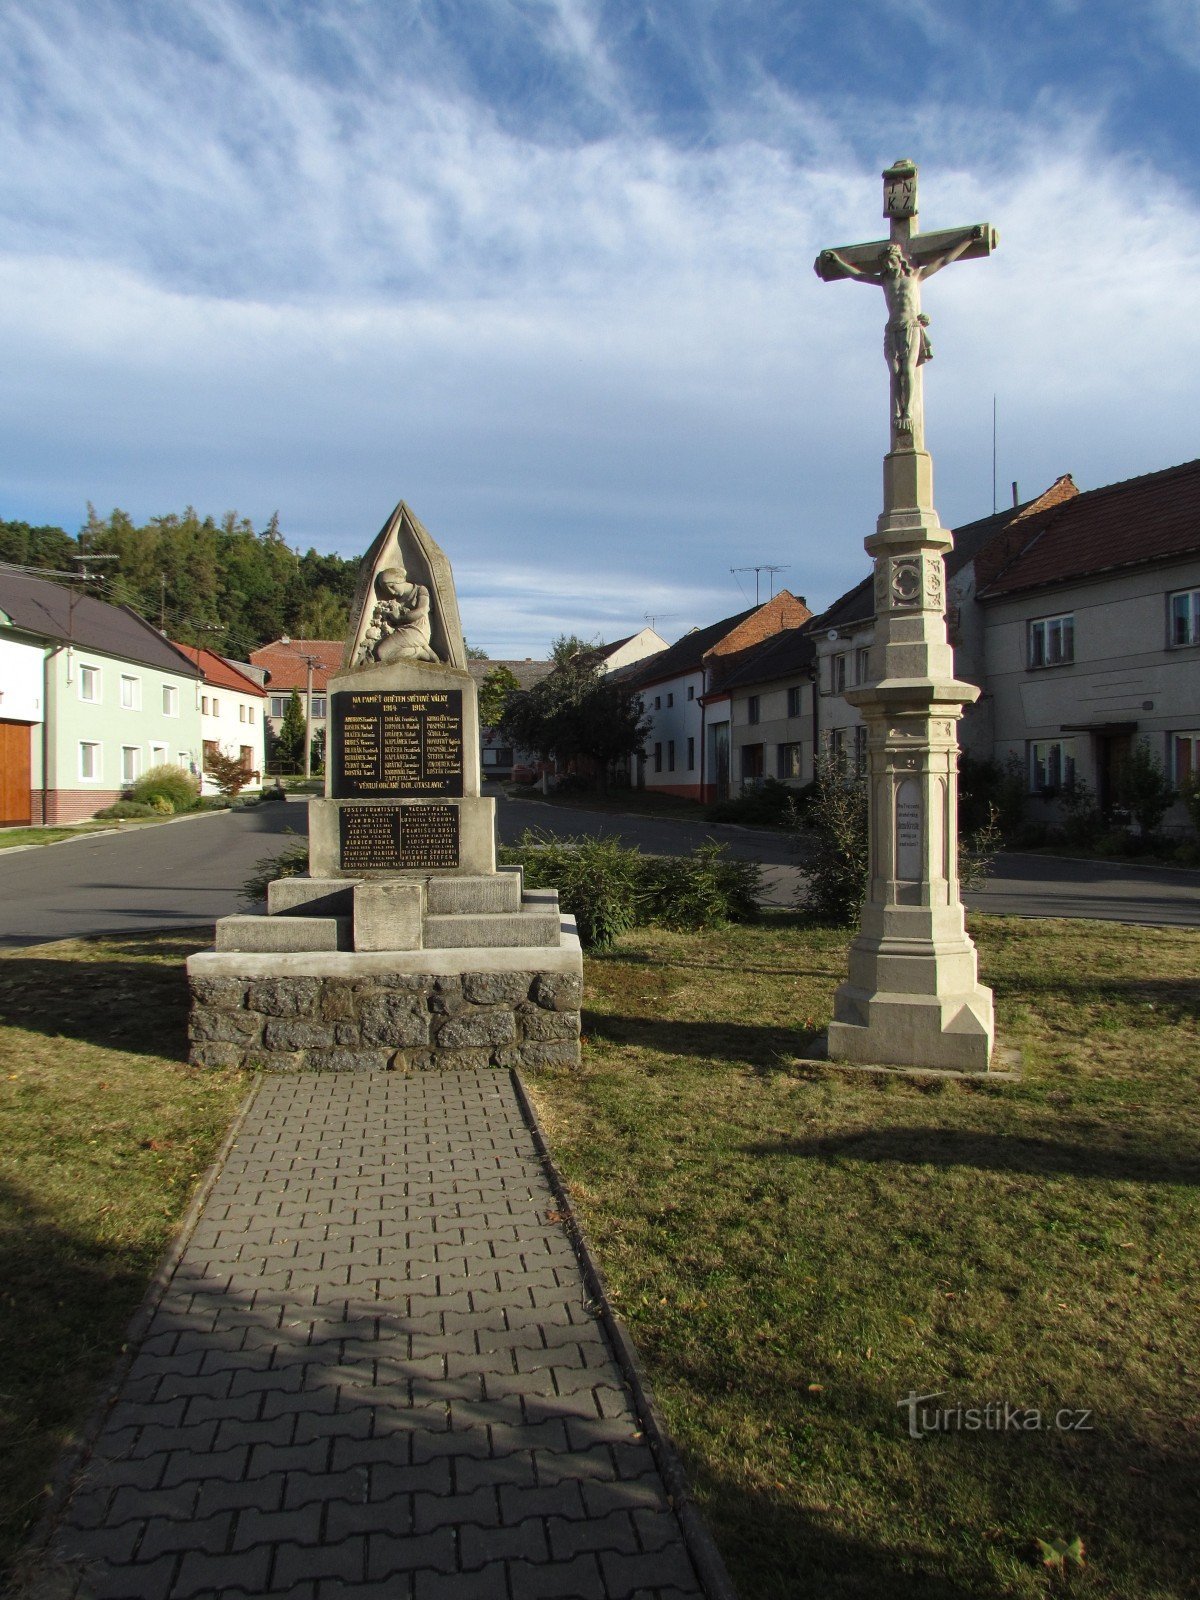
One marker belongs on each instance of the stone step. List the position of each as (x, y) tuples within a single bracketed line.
[(310, 897), (534, 925), (467, 895), (281, 934)]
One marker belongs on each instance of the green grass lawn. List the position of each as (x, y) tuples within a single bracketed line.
[(104, 1134), (794, 1249), (20, 836)]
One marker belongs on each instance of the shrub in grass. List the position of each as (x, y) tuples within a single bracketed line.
[(770, 804), (291, 862), (599, 883), (703, 890), (173, 784), (121, 809), (837, 881)]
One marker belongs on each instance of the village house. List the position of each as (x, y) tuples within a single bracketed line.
[(302, 666), (683, 688), (773, 709), (91, 697), (232, 717)]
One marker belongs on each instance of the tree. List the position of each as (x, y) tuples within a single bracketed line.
[(576, 712), (497, 688), (289, 741), (474, 653), (323, 617), (227, 772), (568, 645), (1144, 789)]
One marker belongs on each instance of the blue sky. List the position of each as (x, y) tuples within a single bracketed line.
[(544, 270)]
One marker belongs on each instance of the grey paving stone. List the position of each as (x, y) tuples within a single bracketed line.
[(376, 1372)]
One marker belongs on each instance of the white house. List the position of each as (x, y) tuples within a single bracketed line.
[(232, 716)]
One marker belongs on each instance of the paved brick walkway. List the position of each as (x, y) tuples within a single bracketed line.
[(374, 1372)]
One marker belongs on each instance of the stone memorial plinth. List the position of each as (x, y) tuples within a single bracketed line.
[(404, 947)]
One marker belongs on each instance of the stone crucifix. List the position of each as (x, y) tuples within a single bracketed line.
[(900, 264)]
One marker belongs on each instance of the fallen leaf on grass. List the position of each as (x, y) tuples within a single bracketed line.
[(1056, 1553)]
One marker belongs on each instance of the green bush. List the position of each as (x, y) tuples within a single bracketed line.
[(1189, 793), (599, 883), (120, 809), (986, 787), (770, 804), (837, 875), (173, 784), (290, 862), (1144, 789), (609, 889), (1083, 821)]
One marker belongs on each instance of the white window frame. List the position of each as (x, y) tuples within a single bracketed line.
[(1187, 614), (98, 761), (319, 702), (250, 715), (1050, 641), (1192, 738), (862, 664), (159, 755), (837, 674), (134, 750), (279, 700), (1053, 762), (170, 700), (86, 671), (216, 706), (131, 692)]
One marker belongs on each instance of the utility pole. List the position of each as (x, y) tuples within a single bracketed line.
[(311, 662), (756, 571)]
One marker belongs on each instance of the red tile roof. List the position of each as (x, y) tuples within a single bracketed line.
[(1147, 519), (284, 660), (219, 673)]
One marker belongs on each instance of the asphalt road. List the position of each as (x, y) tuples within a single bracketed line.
[(188, 873)]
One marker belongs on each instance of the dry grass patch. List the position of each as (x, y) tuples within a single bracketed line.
[(104, 1133), (796, 1250)]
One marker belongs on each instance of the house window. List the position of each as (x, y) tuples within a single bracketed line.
[(794, 701), (862, 665), (658, 702), (691, 755), (131, 695), (1051, 764), (1052, 641), (89, 760), (247, 754), (1185, 617), (691, 691), (318, 705), (838, 674), (216, 705), (752, 763), (203, 705), (658, 758), (186, 762), (670, 755), (279, 705), (837, 745), (250, 715), (241, 711), (89, 684), (1185, 757), (860, 749), (131, 762), (170, 700), (158, 754), (670, 700), (752, 709), (789, 762)]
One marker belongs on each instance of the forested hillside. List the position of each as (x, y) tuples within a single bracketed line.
[(220, 584)]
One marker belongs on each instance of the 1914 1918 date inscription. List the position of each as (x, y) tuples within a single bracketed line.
[(397, 742), (398, 838)]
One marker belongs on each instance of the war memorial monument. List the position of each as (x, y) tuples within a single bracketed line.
[(404, 947), (913, 996)]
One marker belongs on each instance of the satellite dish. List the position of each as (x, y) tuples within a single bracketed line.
[(832, 634)]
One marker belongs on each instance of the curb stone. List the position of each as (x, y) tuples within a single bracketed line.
[(701, 1545)]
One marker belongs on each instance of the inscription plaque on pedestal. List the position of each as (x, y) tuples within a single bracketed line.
[(908, 831), (398, 838), (397, 742)]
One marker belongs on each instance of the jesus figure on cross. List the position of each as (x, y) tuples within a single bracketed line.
[(905, 342)]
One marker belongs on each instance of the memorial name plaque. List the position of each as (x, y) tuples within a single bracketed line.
[(397, 742), (370, 838), (428, 836), (908, 830)]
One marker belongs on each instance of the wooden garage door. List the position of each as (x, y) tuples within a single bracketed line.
[(14, 774)]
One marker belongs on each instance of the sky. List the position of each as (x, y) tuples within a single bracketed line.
[(543, 270)]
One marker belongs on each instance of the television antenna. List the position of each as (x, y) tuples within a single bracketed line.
[(764, 567)]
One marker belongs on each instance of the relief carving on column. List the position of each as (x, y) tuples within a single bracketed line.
[(906, 583)]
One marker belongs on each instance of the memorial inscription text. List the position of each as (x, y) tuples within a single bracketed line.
[(397, 742), (398, 838)]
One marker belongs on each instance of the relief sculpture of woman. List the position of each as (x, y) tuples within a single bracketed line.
[(399, 627)]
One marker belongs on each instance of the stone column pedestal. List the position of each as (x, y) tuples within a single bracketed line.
[(912, 997)]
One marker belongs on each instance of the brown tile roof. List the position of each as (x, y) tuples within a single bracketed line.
[(284, 660), (1141, 520), (527, 672), (218, 672), (789, 654)]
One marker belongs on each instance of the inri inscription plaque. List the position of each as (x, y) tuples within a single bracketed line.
[(397, 742), (398, 838)]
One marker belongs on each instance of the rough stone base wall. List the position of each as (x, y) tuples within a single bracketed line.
[(395, 1021)]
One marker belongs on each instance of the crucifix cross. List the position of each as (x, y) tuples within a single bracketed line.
[(899, 265)]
